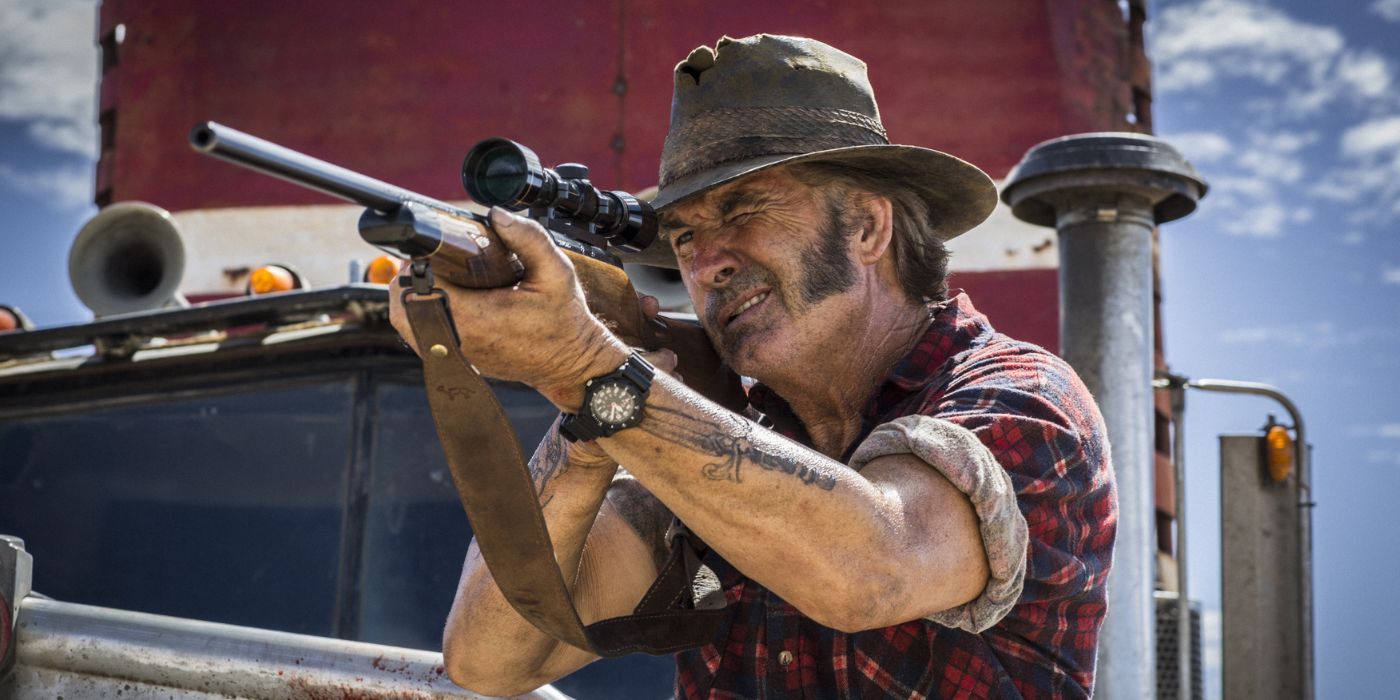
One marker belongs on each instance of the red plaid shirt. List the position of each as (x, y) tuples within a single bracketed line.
[(1039, 421)]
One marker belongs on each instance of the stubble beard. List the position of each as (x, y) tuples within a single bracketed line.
[(827, 270)]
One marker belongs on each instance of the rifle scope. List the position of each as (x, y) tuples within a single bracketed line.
[(501, 172)]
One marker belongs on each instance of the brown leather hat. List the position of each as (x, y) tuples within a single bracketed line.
[(766, 100)]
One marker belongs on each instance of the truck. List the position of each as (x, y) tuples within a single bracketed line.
[(207, 493), (251, 482)]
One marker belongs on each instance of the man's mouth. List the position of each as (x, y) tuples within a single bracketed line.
[(755, 301)]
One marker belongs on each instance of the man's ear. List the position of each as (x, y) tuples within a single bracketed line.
[(875, 215)]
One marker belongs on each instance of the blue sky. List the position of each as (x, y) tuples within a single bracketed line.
[(1288, 274), (48, 143)]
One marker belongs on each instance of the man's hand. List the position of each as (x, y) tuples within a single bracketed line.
[(538, 332)]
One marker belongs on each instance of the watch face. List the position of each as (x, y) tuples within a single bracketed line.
[(614, 403)]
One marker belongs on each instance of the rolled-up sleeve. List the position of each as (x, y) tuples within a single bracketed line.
[(961, 457)]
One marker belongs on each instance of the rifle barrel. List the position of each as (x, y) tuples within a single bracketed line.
[(279, 161)]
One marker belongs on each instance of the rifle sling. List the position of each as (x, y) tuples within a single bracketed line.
[(681, 610)]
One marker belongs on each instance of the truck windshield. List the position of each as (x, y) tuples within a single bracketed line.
[(320, 506), (226, 506), (315, 501)]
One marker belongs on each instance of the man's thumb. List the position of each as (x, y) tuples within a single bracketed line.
[(527, 239)]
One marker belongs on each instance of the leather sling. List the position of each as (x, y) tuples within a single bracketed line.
[(682, 609)]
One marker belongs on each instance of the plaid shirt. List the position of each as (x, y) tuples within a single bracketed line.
[(1039, 421)]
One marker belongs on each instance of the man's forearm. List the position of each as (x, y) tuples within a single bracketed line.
[(796, 521), (485, 636)]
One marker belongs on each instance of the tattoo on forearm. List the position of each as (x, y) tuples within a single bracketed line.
[(549, 461), (732, 450)]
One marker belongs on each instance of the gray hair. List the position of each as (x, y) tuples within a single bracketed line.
[(921, 259)]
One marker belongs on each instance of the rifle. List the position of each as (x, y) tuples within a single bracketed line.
[(684, 606), (459, 244)]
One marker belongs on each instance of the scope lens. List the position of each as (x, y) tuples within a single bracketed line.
[(496, 173)]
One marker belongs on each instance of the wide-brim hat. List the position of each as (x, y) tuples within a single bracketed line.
[(762, 101)]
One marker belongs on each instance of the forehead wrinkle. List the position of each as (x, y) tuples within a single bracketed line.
[(723, 201), (738, 197)]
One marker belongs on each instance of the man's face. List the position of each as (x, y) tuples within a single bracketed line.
[(764, 258)]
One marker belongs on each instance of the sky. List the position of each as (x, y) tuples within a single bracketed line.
[(1288, 274)]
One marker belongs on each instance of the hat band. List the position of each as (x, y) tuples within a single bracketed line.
[(721, 136)]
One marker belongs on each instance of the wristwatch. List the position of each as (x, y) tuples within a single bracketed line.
[(611, 402)]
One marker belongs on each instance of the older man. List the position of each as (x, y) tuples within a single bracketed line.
[(915, 505)]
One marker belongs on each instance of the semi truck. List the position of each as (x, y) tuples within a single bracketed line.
[(211, 493)]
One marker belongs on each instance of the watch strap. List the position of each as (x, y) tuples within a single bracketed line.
[(584, 425)]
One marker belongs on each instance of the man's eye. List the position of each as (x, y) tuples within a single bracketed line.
[(740, 218), (680, 239)]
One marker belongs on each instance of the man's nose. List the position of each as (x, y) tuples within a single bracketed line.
[(714, 263)]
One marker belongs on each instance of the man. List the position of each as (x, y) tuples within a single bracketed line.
[(930, 511)]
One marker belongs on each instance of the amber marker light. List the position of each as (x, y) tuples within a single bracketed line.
[(382, 269), (12, 319), (1278, 447), (273, 278)]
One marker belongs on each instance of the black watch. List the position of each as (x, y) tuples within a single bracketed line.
[(611, 402)]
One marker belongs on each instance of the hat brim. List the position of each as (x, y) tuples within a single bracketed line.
[(959, 195)]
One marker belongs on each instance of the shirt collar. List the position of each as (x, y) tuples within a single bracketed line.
[(956, 326)]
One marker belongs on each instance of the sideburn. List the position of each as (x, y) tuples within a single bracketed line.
[(830, 270)]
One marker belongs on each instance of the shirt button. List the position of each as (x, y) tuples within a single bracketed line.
[(784, 657)]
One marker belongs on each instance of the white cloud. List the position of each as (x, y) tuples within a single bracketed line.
[(1352, 183), (1292, 336), (1200, 146), (1371, 172), (1248, 335), (1366, 72), (1372, 137), (1353, 238), (1362, 76), (1284, 141), (1206, 42), (65, 136), (1388, 9), (1336, 187), (1182, 75), (1383, 430), (1250, 177), (1296, 85), (1264, 220), (48, 71), (1383, 457), (1391, 275), (1249, 186), (1262, 34), (1272, 165), (1324, 335), (61, 188)]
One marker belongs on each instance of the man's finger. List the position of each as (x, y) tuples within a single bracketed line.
[(529, 241), (650, 306)]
